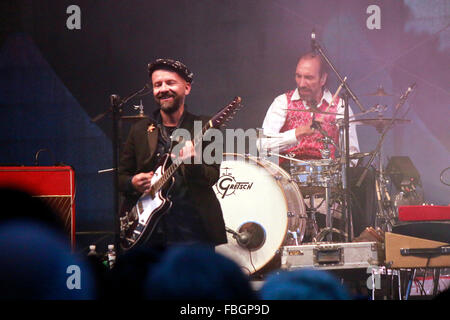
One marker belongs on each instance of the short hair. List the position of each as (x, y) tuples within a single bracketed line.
[(313, 55)]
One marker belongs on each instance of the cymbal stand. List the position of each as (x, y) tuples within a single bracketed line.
[(385, 217), (385, 212), (327, 141)]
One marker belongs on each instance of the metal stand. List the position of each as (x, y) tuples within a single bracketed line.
[(348, 93), (384, 214), (116, 109)]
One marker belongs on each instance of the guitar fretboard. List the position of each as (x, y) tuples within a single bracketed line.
[(177, 162)]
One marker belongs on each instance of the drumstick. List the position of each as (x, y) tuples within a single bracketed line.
[(336, 94)]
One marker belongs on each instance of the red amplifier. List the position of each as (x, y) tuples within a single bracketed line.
[(423, 213), (54, 185)]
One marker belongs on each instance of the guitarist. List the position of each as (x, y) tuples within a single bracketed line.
[(195, 215)]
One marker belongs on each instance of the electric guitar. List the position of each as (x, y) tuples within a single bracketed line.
[(139, 215)]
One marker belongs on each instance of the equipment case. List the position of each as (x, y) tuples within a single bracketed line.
[(328, 255)]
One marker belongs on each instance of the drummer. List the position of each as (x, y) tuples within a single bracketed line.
[(292, 129)]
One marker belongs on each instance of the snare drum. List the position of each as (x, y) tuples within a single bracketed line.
[(259, 197), (314, 175)]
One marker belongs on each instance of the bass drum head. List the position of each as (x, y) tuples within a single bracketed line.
[(259, 200)]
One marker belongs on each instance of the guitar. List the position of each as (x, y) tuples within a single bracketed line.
[(139, 215)]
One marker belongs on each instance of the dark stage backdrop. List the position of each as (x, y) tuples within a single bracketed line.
[(54, 80)]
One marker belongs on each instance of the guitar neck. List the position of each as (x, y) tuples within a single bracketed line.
[(170, 171)]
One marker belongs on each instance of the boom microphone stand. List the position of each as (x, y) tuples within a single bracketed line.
[(116, 109), (348, 93)]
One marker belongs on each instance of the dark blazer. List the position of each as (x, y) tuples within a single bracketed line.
[(139, 156)]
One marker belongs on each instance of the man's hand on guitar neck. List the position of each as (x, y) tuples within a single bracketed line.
[(142, 181)]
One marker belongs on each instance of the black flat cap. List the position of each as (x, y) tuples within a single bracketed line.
[(169, 64)]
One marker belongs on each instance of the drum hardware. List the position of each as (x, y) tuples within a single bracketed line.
[(326, 232), (294, 235), (325, 151), (380, 124), (313, 226), (385, 216), (139, 116)]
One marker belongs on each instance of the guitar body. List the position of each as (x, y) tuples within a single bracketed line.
[(139, 216)]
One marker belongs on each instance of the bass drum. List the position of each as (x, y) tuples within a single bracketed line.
[(262, 207)]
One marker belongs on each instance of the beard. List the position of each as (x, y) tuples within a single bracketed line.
[(169, 106), (308, 95)]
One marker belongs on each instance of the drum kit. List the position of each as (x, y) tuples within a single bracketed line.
[(267, 207)]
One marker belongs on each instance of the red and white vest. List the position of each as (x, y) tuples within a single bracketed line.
[(309, 146)]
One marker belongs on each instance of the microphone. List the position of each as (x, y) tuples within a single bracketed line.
[(313, 41), (242, 238), (250, 236)]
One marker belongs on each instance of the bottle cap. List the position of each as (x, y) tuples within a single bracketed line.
[(110, 246), (92, 247)]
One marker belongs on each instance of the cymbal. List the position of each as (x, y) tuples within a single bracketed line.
[(379, 123), (316, 111), (379, 93), (137, 117)]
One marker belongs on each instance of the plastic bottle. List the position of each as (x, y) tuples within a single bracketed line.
[(92, 252), (111, 256)]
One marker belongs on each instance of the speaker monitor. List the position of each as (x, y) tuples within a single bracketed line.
[(402, 170)]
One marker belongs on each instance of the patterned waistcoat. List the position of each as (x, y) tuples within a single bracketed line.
[(309, 146)]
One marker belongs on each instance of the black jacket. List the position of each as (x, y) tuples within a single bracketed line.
[(139, 156)]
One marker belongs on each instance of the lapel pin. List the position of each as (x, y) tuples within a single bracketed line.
[(151, 128)]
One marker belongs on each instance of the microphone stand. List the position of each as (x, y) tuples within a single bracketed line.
[(347, 93), (116, 109)]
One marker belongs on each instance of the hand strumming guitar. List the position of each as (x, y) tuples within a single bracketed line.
[(142, 181)]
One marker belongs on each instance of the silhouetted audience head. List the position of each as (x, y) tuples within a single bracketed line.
[(126, 279), (303, 284), (18, 204), (36, 261), (443, 296), (197, 272)]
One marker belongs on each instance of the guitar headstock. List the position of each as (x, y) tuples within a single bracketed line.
[(226, 114)]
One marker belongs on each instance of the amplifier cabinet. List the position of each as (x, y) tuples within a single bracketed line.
[(54, 185)]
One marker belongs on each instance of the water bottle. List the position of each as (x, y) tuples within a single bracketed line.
[(111, 256), (92, 252)]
